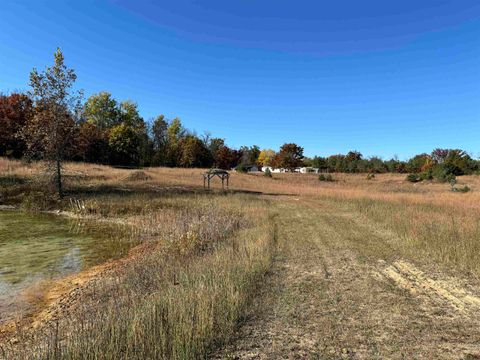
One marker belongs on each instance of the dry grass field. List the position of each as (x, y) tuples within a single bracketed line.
[(283, 267)]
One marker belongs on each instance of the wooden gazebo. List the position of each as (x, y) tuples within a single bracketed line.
[(210, 174)]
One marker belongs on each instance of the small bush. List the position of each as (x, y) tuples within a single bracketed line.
[(463, 189), (267, 173), (440, 174), (452, 179), (241, 168), (325, 177), (413, 178), (370, 176), (137, 176), (426, 175)]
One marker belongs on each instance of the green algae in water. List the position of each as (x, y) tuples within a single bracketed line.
[(35, 247)]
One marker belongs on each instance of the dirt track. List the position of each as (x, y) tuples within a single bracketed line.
[(340, 289)]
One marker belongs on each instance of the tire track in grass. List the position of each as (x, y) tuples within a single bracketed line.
[(329, 297)]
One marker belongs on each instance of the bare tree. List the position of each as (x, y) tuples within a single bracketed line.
[(57, 109)]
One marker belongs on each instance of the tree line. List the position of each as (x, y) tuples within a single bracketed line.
[(53, 122)]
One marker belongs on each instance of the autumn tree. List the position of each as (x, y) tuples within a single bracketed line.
[(265, 157), (417, 163), (175, 132), (15, 111), (439, 155), (290, 156), (102, 110), (458, 162), (376, 165), (57, 109), (320, 163), (194, 153), (91, 143), (225, 158), (130, 115), (249, 155), (159, 131), (125, 144), (215, 146), (159, 139)]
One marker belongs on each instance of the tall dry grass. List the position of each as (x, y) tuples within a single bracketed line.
[(179, 298), (184, 297), (447, 235)]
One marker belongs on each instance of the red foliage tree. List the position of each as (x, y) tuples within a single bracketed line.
[(91, 143), (15, 111), (227, 158), (289, 157)]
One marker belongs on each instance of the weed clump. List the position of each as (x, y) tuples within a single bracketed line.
[(413, 178), (241, 168), (463, 189), (267, 173), (137, 176), (325, 177)]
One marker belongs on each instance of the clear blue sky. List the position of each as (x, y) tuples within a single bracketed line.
[(382, 77)]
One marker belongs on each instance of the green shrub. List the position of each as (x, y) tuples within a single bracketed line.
[(451, 178), (463, 189), (426, 175), (440, 173), (241, 168), (413, 178), (370, 176), (325, 177), (267, 173)]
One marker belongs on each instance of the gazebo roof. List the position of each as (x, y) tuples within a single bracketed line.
[(217, 171)]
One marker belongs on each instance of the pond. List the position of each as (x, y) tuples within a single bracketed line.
[(36, 247)]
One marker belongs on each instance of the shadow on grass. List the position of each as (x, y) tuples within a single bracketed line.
[(11, 180), (106, 189)]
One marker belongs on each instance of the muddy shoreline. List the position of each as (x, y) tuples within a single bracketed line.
[(49, 299)]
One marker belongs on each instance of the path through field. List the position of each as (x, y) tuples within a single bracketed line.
[(339, 290)]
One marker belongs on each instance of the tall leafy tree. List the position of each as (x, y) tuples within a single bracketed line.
[(159, 132), (102, 110), (15, 111), (265, 157), (227, 158), (458, 162), (320, 163), (57, 109), (290, 156), (214, 145), (159, 139), (194, 153), (91, 143), (175, 132), (418, 162), (249, 155), (125, 144), (439, 155), (129, 114)]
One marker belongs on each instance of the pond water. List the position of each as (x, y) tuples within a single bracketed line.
[(36, 247)]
